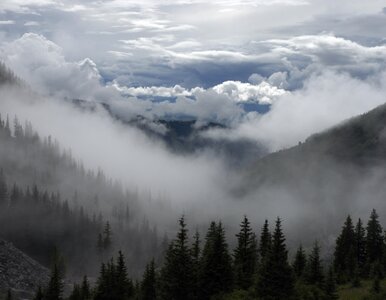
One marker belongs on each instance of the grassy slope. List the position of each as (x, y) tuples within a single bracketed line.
[(346, 292)]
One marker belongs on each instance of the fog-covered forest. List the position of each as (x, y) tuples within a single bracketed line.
[(183, 150)]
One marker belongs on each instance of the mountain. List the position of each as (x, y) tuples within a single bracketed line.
[(345, 165), (19, 272)]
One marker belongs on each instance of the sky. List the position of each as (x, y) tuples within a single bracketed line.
[(205, 60)]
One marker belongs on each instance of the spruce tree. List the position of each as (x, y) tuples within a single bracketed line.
[(196, 259), (265, 241), (374, 239), (360, 247), (216, 276), (3, 189), (344, 255), (245, 256), (314, 271), (148, 284), (55, 286), (330, 286), (85, 289), (123, 285), (300, 261), (276, 279), (176, 275), (9, 295), (39, 294)]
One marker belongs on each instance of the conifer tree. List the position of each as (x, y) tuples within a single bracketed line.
[(374, 239), (3, 189), (360, 247), (76, 293), (245, 256), (344, 255), (55, 286), (196, 258), (123, 285), (176, 275), (107, 240), (276, 279), (9, 295), (300, 261), (85, 289), (314, 273), (39, 294), (216, 276), (330, 286), (148, 285), (265, 241)]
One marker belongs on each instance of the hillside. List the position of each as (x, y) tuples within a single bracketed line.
[(19, 272)]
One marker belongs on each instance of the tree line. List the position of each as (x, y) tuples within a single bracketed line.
[(257, 268)]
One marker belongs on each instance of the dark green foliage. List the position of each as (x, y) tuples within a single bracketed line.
[(176, 275), (265, 241), (113, 282), (9, 295), (360, 247), (196, 259), (276, 279), (374, 239), (300, 261), (330, 286), (149, 284), (85, 289), (314, 270), (245, 256), (345, 249), (55, 286), (216, 276), (39, 294)]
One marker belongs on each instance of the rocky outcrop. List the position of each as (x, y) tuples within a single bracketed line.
[(19, 272)]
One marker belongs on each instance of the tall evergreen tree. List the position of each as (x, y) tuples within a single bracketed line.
[(245, 256), (39, 294), (55, 286), (123, 285), (300, 261), (314, 274), (176, 275), (196, 260), (85, 289), (360, 247), (374, 239), (216, 276), (344, 255), (148, 284), (276, 279), (265, 241), (3, 189), (330, 286)]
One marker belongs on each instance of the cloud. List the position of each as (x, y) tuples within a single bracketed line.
[(7, 22), (263, 93), (325, 100)]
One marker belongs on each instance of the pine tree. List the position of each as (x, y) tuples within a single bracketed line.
[(314, 271), (275, 279), (9, 295), (176, 275), (245, 256), (374, 239), (265, 241), (3, 189), (330, 286), (216, 276), (360, 247), (107, 240), (300, 261), (55, 286), (85, 289), (344, 255), (196, 258), (123, 285), (39, 294), (76, 293), (148, 285)]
